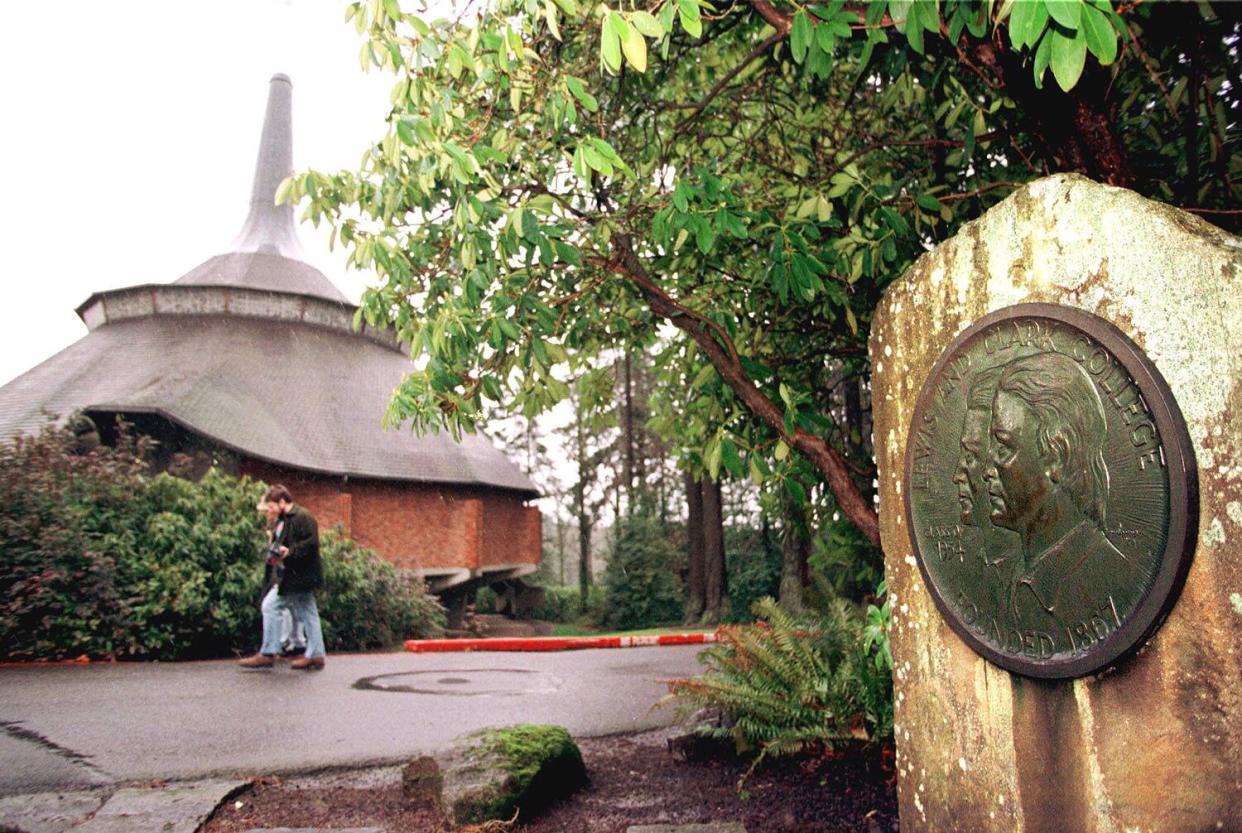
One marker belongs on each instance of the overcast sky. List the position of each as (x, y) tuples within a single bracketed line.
[(130, 137)]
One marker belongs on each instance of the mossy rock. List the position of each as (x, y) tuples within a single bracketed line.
[(494, 773)]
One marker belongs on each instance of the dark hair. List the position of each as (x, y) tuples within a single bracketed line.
[(277, 493)]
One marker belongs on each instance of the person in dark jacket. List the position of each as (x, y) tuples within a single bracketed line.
[(292, 634), (297, 543)]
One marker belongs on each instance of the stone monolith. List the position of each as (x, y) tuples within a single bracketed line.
[(1154, 742)]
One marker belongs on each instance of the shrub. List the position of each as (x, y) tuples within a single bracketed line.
[(368, 603), (792, 684), (850, 563), (58, 590), (99, 558), (754, 569), (642, 584), (560, 604)]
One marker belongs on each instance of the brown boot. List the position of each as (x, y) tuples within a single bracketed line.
[(258, 661), (308, 664)]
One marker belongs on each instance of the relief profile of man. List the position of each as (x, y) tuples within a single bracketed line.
[(1048, 481), (972, 492)]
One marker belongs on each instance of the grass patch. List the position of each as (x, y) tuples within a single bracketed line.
[(579, 630)]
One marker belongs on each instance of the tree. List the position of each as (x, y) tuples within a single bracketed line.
[(559, 179), (592, 446)]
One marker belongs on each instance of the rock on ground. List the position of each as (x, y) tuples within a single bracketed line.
[(495, 773)]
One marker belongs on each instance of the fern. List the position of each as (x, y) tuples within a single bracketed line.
[(791, 684)]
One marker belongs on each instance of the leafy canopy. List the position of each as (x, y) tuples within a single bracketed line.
[(562, 178)]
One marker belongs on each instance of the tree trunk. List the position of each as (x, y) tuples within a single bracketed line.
[(584, 516), (627, 427), (584, 559), (1074, 131), (793, 557), (715, 581), (696, 599)]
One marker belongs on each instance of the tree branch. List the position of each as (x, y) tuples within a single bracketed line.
[(717, 347), (724, 82)]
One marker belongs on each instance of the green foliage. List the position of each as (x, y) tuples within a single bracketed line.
[(187, 557), (104, 560), (754, 174), (59, 595), (792, 684), (849, 564), (642, 587), (368, 603), (561, 604), (753, 563), (875, 632)]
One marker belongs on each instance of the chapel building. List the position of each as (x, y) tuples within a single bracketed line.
[(251, 361)]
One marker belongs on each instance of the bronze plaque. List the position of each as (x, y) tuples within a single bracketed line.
[(1051, 491)]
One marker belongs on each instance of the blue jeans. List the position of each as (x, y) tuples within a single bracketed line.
[(302, 606), (292, 634)]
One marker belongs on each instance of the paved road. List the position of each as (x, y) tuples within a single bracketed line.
[(66, 727)]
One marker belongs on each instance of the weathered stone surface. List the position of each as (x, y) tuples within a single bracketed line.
[(1154, 744), (494, 773), (52, 812), (422, 780), (175, 808)]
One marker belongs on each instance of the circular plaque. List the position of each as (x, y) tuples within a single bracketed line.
[(1051, 491)]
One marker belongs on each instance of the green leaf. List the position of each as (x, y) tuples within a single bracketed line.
[(1066, 12), (1019, 19), (691, 21), (898, 10), (405, 131), (732, 460), (1069, 55), (795, 490), (914, 28), (510, 329), (1101, 37), (610, 44), (1042, 56), (1027, 23), (706, 373), (756, 473), (567, 253), (928, 202), (825, 39), (634, 46), (800, 34), (705, 238), (549, 13), (578, 89), (646, 23), (284, 190)]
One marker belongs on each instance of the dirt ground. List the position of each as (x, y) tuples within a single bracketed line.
[(635, 779)]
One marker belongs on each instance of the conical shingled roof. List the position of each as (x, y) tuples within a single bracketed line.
[(267, 254), (254, 350)]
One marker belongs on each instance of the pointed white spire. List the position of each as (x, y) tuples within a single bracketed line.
[(269, 228)]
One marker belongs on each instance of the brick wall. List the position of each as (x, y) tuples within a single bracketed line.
[(418, 525)]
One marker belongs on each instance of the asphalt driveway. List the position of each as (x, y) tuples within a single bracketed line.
[(73, 726)]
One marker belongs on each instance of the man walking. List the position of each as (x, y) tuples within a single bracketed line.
[(298, 544)]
